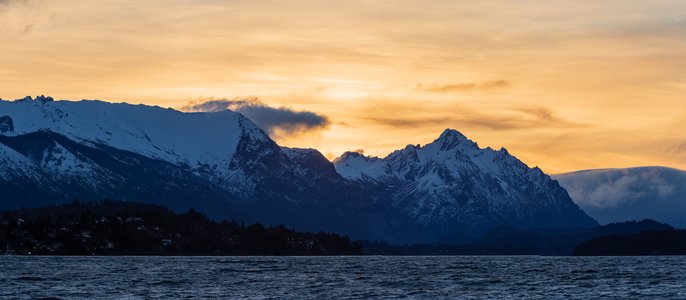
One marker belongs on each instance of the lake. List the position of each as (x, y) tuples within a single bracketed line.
[(454, 277)]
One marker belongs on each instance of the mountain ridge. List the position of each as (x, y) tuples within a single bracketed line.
[(90, 149)]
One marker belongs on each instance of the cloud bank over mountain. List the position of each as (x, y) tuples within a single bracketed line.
[(614, 195), (275, 121)]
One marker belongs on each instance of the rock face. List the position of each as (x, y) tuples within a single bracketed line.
[(458, 189), (6, 124), (222, 164)]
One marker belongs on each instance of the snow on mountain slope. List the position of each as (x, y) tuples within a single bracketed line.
[(193, 139), (219, 163), (355, 166), (46, 168), (15, 165), (452, 184), (617, 195), (61, 162), (402, 164)]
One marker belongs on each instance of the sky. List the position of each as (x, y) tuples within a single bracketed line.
[(563, 85)]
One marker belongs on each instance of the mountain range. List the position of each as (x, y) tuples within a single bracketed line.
[(222, 164)]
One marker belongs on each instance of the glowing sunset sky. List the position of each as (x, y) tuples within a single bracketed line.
[(564, 85)]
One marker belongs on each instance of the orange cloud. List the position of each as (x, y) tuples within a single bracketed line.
[(466, 86), (565, 84)]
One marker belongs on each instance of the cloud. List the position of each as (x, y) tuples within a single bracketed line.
[(464, 86), (512, 119), (276, 121), (674, 147), (21, 16), (680, 148), (605, 190), (7, 2)]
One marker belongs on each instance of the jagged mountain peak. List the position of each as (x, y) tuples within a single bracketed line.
[(451, 147), (453, 184), (39, 99), (450, 138), (349, 155)]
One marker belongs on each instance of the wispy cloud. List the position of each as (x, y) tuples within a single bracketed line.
[(502, 120), (276, 121), (678, 148), (8, 2), (21, 16), (463, 86)]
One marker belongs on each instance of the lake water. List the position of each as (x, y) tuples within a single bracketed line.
[(454, 277)]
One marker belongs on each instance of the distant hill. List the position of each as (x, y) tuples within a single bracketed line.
[(513, 241), (657, 242), (616, 195)]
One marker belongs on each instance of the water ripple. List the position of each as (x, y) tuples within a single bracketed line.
[(447, 277)]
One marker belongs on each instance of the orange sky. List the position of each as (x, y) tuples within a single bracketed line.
[(564, 85)]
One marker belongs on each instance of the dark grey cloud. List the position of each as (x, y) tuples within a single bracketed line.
[(464, 86), (273, 120)]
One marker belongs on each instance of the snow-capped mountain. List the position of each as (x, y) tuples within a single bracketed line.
[(616, 195), (219, 163), (455, 187), (222, 164)]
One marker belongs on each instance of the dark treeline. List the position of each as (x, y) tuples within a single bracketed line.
[(125, 228), (658, 242)]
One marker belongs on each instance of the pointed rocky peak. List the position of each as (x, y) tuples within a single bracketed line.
[(249, 128), (408, 153), (44, 99), (350, 155), (411, 150), (411, 147), (450, 138)]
